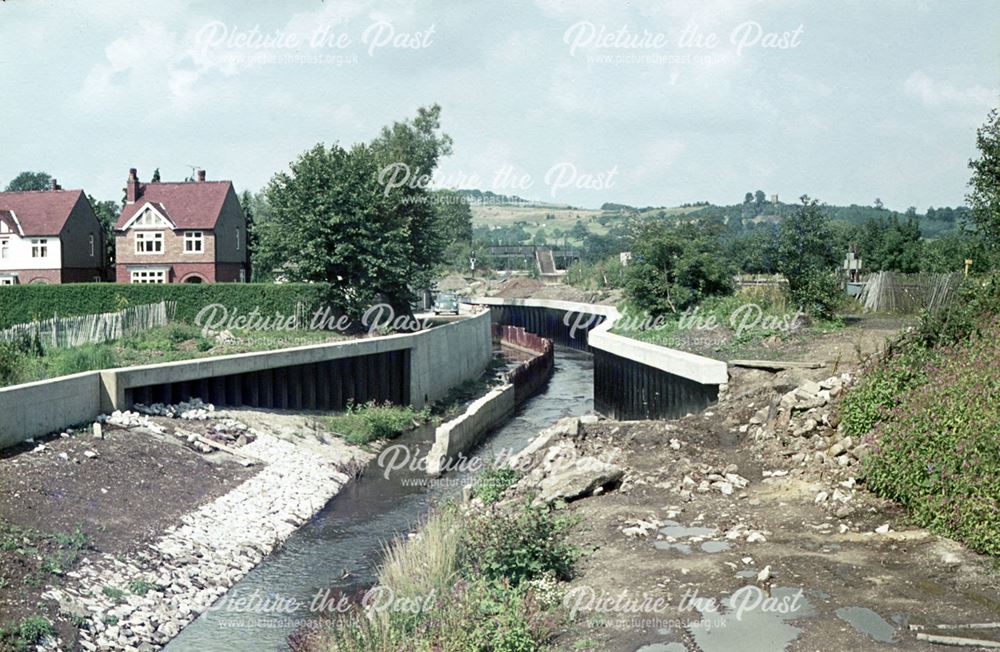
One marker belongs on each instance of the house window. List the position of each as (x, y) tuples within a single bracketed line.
[(194, 242), (6, 280), (243, 276), (91, 245), (149, 243), (40, 248), (149, 276), (4, 248), (237, 238)]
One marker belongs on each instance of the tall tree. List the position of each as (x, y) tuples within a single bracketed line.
[(30, 181), (336, 216), (984, 186), (156, 176), (807, 260)]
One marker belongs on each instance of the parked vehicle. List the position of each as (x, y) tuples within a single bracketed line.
[(445, 302)]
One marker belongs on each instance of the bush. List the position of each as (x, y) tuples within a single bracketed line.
[(936, 451), (519, 545), (492, 482), (883, 386), (24, 303), (364, 423)]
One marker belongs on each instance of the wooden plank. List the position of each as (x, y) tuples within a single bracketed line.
[(775, 365)]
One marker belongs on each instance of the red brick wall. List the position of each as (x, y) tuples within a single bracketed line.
[(26, 276)]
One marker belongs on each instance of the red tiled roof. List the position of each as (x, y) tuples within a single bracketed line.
[(41, 212), (189, 205)]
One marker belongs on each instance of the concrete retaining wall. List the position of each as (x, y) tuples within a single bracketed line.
[(633, 379), (427, 364), (47, 406), (462, 433)]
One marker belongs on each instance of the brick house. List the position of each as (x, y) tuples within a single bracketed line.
[(189, 232), (50, 236)]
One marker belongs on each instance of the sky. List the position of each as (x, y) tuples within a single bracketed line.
[(648, 102)]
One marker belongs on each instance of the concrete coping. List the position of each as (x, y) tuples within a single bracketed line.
[(680, 363)]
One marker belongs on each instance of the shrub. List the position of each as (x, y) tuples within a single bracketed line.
[(364, 423), (492, 482), (62, 362), (936, 451), (519, 545), (25, 303), (883, 385)]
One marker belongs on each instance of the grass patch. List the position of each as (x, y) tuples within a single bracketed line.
[(26, 633), (492, 481), (928, 411), (514, 607), (364, 423)]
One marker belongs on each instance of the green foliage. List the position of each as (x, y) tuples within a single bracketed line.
[(673, 268), (519, 545), (24, 303), (30, 181), (364, 423), (26, 633), (492, 482), (15, 356), (604, 274), (141, 587), (984, 186), (113, 593), (362, 218), (978, 298), (936, 451), (806, 259), (883, 386)]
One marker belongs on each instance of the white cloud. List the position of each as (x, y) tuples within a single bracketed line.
[(942, 94)]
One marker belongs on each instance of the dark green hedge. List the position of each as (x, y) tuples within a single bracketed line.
[(23, 303)]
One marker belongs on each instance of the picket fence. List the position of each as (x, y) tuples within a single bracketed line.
[(63, 332)]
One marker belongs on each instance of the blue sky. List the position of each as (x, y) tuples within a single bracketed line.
[(573, 102)]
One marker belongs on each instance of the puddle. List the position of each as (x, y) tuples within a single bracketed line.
[(682, 548), (753, 629), (868, 622), (678, 531), (715, 546), (662, 647), (747, 573)]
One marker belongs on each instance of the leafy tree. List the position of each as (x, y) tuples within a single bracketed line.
[(759, 198), (156, 176), (333, 217), (984, 192), (30, 181), (806, 258), (107, 212), (674, 267)]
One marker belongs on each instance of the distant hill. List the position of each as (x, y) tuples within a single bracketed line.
[(488, 197)]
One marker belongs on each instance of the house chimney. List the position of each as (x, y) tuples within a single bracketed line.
[(201, 176), (132, 188), (54, 185)]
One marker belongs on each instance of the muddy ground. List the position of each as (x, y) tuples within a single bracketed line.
[(64, 498), (860, 589)]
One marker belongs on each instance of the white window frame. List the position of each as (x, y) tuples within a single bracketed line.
[(192, 238), (4, 248), (40, 248), (7, 280), (92, 246), (237, 238), (153, 237), (155, 276), (243, 275)]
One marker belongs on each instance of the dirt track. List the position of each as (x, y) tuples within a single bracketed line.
[(860, 590)]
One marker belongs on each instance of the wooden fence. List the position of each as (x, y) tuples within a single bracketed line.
[(908, 293), (65, 332)]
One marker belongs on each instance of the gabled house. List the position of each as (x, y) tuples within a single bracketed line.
[(188, 232), (50, 236)]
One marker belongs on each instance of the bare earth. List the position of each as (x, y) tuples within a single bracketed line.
[(135, 487), (860, 590)]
